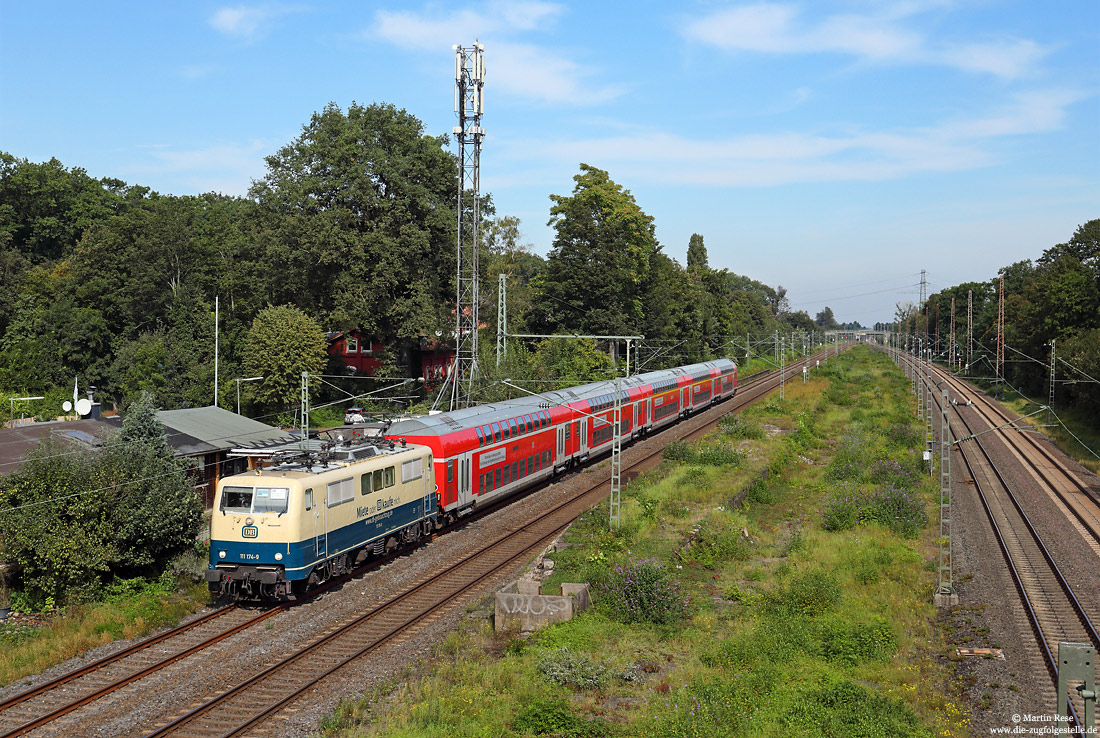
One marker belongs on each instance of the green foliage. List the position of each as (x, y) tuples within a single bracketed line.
[(898, 509), (70, 521), (571, 669), (282, 343), (718, 455), (553, 716), (851, 644), (599, 260), (849, 710), (717, 543), (849, 459), (805, 593), (677, 451), (738, 426), (642, 592)]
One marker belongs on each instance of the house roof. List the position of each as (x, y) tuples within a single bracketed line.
[(17, 442), (202, 430)]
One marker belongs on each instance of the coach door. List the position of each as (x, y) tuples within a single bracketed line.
[(561, 443), (465, 479), (685, 395)]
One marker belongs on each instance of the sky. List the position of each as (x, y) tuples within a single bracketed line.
[(835, 148)]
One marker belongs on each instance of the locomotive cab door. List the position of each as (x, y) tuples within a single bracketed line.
[(316, 510)]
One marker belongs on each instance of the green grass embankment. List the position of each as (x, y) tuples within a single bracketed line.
[(772, 580)]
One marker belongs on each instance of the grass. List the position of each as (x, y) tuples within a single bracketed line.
[(130, 612), (758, 621)]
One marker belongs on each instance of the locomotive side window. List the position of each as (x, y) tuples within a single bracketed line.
[(365, 486), (389, 476), (309, 499), (340, 491), (377, 482), (236, 499), (270, 500)]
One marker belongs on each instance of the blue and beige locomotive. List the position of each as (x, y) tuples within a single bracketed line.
[(278, 531)]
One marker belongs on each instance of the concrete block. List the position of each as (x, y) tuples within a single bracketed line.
[(519, 610), (945, 600), (528, 587)]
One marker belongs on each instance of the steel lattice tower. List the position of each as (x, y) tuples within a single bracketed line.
[(469, 105), (969, 328), (952, 345)]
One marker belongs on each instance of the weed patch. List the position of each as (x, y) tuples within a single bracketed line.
[(642, 592), (571, 669)]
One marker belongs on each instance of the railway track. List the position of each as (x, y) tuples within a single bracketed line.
[(1053, 609), (248, 704)]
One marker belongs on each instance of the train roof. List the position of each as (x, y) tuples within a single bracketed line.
[(466, 418), (296, 464)]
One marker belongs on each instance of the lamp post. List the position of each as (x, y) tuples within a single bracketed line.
[(238, 381), (12, 400)]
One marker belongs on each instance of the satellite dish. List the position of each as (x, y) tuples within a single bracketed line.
[(83, 406), (67, 406)]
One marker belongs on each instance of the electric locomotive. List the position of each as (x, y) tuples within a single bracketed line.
[(278, 531)]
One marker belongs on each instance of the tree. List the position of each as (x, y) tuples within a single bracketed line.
[(599, 260), (282, 343), (697, 253), (825, 319), (359, 217), (156, 510), (70, 521)]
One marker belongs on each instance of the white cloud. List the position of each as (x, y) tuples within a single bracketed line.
[(228, 167), (783, 158), (785, 29), (249, 21), (514, 67)]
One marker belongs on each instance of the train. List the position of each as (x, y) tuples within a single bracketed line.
[(279, 531)]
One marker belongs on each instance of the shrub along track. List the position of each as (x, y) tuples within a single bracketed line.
[(393, 621), (1053, 608)]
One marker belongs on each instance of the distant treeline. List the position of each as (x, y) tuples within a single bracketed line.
[(1055, 299), (354, 225)]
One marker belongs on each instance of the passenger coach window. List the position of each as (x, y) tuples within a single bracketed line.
[(496, 431), (480, 438), (512, 425), (530, 423), (237, 499)]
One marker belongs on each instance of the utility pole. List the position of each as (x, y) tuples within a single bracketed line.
[(951, 359), (469, 105), (303, 439), (1001, 340), (502, 317), (969, 328), (782, 369), (923, 298), (945, 592), (1050, 400), (615, 499)]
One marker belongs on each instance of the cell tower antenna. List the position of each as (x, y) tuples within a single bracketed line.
[(469, 106)]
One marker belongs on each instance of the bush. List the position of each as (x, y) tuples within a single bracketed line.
[(739, 426), (715, 545), (849, 644), (760, 491), (897, 509), (552, 716), (569, 669), (849, 460), (807, 593), (718, 456), (851, 710), (903, 435), (841, 510), (893, 474), (642, 592), (677, 451)]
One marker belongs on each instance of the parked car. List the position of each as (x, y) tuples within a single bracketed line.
[(354, 415)]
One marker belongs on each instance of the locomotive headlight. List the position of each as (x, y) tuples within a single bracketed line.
[(248, 521), (221, 554), (278, 556)]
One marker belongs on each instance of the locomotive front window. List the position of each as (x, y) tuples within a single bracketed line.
[(270, 500), (236, 499)]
